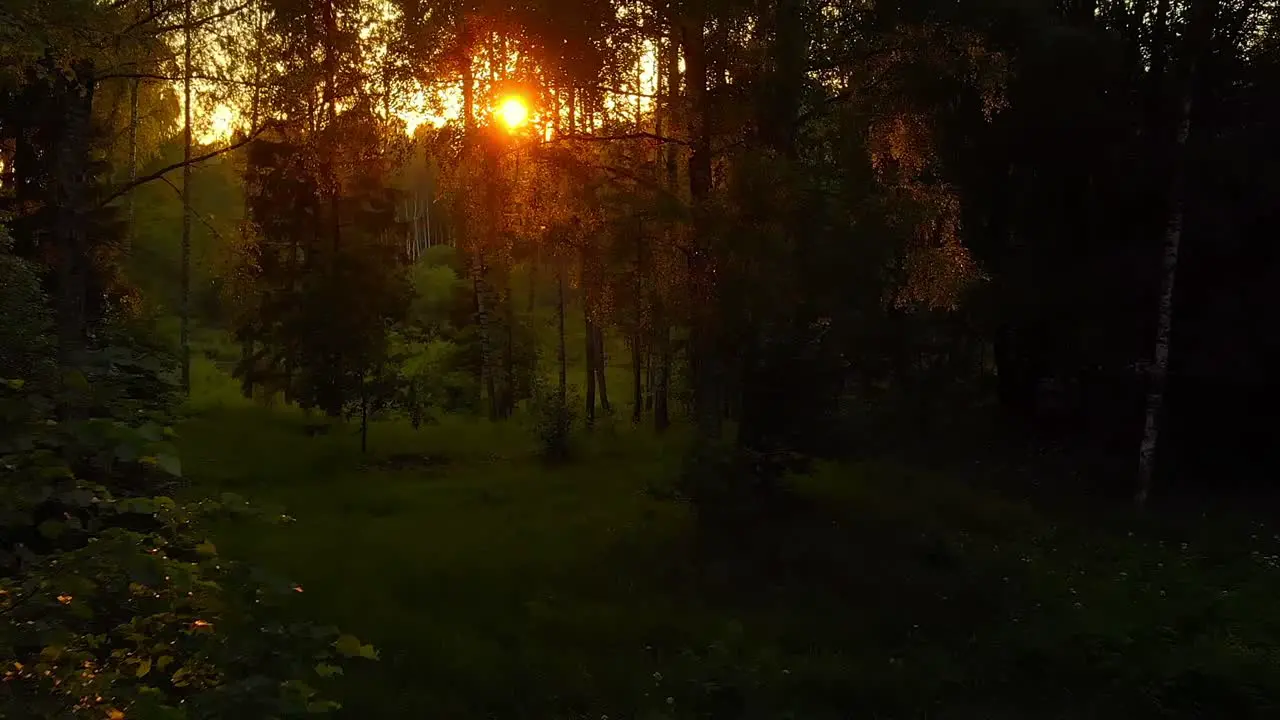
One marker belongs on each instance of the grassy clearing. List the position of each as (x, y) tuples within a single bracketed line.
[(495, 586)]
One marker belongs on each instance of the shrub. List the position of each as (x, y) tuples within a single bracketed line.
[(554, 414), (115, 603), (26, 324)]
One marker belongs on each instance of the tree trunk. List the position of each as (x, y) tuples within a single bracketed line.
[(248, 343), (133, 163), (508, 357), (562, 356), (1199, 34), (648, 379), (70, 194), (604, 388), (662, 381), (364, 417), (1157, 372), (662, 329), (591, 365), (637, 388), (417, 228), (185, 327), (533, 281), (468, 84), (705, 359), (482, 326), (788, 82)]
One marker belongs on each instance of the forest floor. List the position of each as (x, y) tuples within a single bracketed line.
[(495, 586)]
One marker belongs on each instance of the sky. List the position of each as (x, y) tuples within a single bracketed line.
[(217, 117)]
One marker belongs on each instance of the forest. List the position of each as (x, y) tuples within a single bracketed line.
[(653, 359)]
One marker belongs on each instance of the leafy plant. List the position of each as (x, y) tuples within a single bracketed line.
[(554, 414), (25, 345), (116, 604)]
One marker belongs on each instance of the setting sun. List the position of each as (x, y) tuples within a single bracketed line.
[(513, 112)]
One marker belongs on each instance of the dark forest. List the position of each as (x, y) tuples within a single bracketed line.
[(653, 359)]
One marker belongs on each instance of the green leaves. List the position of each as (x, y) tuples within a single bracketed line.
[(350, 646), (52, 529), (165, 462), (170, 464), (138, 575)]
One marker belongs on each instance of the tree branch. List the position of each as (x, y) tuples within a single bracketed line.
[(205, 20), (199, 217), (171, 78), (620, 91), (152, 16), (827, 103), (625, 136), (130, 186)]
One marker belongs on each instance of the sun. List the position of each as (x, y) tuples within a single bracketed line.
[(513, 112)]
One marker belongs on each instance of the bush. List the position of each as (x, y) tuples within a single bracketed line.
[(26, 324), (115, 603), (554, 414), (725, 483)]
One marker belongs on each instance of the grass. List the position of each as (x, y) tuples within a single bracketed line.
[(495, 586)]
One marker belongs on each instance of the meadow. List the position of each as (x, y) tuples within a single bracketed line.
[(496, 585)]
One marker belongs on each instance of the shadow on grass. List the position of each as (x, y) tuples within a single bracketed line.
[(496, 586)]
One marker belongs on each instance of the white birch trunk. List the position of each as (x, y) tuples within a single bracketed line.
[(1158, 370)]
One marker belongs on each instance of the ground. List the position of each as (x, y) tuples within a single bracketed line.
[(496, 586)]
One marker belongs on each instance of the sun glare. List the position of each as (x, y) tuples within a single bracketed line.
[(513, 112)]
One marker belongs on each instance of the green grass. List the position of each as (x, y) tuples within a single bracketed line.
[(496, 586)]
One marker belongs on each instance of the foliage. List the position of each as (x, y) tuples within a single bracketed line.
[(326, 302), (117, 601), (441, 377), (25, 337), (154, 257), (554, 414)]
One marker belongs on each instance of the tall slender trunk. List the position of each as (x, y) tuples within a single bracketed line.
[(411, 211), (131, 203), (705, 359), (662, 381), (591, 363), (599, 348), (248, 340), (572, 108), (533, 278), (331, 116), (789, 76), (468, 87), (662, 328), (508, 355), (637, 388), (648, 378), (185, 328), (364, 416), (426, 208), (482, 326), (482, 298), (70, 196), (753, 399), (561, 355), (471, 236), (1199, 34)]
